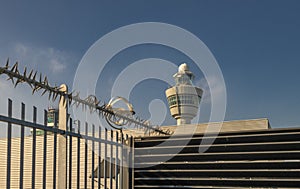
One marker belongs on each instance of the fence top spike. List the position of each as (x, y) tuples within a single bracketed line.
[(30, 74), (11, 78), (34, 75), (49, 97), (45, 80), (54, 96), (45, 90), (40, 77), (17, 71), (14, 66), (7, 63), (25, 70), (35, 89), (18, 81)]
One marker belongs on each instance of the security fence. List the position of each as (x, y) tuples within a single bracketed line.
[(57, 155)]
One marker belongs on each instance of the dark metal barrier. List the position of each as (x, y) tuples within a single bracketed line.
[(95, 158)]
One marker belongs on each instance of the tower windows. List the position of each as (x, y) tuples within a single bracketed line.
[(183, 99)]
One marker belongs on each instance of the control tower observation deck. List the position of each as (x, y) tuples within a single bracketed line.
[(184, 98)]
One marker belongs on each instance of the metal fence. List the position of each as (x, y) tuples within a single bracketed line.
[(63, 157)]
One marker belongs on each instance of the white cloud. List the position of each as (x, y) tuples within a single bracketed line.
[(57, 66), (21, 49), (43, 58)]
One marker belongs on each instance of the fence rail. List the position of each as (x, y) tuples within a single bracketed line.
[(53, 157)]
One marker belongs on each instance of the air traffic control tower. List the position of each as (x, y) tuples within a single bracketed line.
[(184, 98)]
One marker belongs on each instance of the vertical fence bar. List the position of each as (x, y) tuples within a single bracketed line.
[(99, 160), (130, 165), (127, 156), (111, 160), (105, 158), (33, 149), (126, 167), (70, 156), (22, 146), (45, 152), (117, 163), (85, 155), (8, 169), (54, 153), (132, 161), (78, 157), (122, 160), (93, 156)]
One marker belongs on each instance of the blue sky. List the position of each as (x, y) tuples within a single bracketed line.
[(256, 44)]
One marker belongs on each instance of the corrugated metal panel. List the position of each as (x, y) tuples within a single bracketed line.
[(246, 159)]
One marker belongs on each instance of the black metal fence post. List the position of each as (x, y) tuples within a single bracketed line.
[(9, 130), (22, 147)]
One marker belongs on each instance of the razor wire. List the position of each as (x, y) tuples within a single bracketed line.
[(39, 82)]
